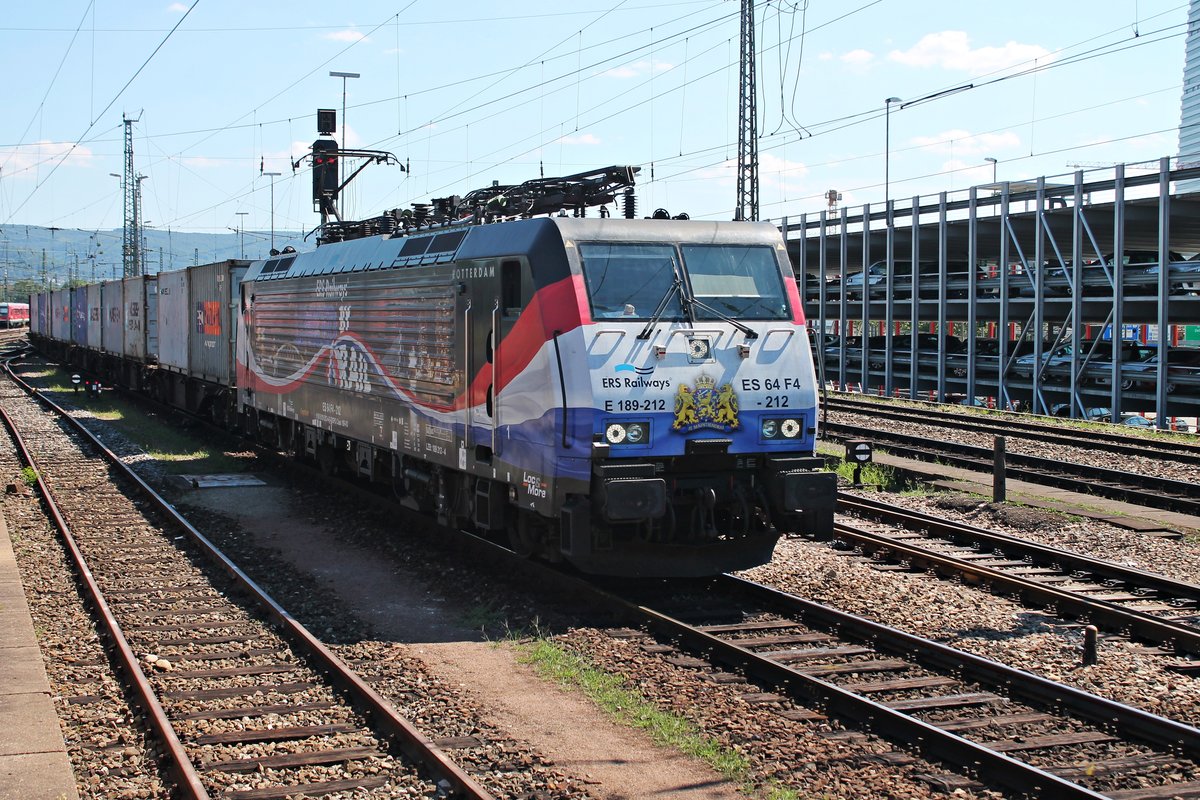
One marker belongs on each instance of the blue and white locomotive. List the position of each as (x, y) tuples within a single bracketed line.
[(634, 396)]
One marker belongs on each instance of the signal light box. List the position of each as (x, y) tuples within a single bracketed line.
[(326, 121)]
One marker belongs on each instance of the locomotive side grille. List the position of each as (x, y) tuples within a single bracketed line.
[(608, 471)]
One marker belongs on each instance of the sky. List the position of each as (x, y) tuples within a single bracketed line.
[(467, 93)]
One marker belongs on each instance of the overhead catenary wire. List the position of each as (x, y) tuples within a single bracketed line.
[(111, 102), (663, 161)]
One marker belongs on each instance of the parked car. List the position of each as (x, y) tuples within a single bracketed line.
[(1099, 368), (1097, 414), (902, 346), (1183, 370), (1140, 274), (833, 345), (1099, 365), (1056, 361), (1141, 270), (1182, 276), (987, 353), (1136, 421), (928, 280)]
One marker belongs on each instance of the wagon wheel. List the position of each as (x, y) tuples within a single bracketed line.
[(326, 459)]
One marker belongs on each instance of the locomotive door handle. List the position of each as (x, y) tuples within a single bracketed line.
[(467, 376), (494, 389)]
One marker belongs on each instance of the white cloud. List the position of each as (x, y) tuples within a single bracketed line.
[(44, 154), (857, 58), (781, 176), (204, 162), (952, 50), (583, 138), (177, 8), (637, 69), (346, 36), (963, 143), (825, 57), (774, 173)]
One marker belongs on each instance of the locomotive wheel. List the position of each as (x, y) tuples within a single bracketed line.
[(736, 517), (524, 539)]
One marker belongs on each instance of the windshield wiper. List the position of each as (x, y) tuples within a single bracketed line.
[(676, 287), (750, 334)]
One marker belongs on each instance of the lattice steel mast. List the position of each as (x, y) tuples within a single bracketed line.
[(747, 182), (131, 246)]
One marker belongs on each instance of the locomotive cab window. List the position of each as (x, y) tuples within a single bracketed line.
[(511, 299), (630, 281), (741, 281)]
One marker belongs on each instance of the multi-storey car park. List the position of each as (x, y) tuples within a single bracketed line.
[(1033, 320)]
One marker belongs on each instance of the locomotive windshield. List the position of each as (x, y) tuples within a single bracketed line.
[(740, 281), (631, 281)]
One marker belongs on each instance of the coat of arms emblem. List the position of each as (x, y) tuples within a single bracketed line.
[(704, 406)]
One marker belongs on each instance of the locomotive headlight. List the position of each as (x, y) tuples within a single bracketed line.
[(790, 428), (770, 428), (616, 433), (627, 433)]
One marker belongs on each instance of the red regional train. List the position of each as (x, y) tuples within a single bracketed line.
[(14, 315)]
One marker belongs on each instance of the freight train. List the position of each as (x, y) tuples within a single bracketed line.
[(634, 396)]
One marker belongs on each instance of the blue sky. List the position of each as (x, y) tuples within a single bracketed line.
[(470, 92)]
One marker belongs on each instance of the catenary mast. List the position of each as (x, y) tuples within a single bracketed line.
[(747, 181)]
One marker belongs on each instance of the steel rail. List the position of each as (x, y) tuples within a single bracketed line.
[(179, 764), (410, 740), (1174, 448), (997, 768), (1023, 685), (1147, 490), (917, 520), (1135, 623), (931, 741)]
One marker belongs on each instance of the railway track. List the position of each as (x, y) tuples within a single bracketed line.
[(1002, 727), (243, 701), (1182, 448), (1129, 487), (1142, 605)]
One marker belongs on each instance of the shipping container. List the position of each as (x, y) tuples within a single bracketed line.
[(95, 331), (175, 321), (141, 320), (60, 310), (79, 316), (213, 297), (112, 297), (37, 316)]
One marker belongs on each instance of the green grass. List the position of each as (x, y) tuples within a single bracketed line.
[(873, 474), (629, 707), (177, 451), (29, 475)]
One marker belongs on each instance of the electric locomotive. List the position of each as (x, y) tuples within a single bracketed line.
[(634, 396)]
